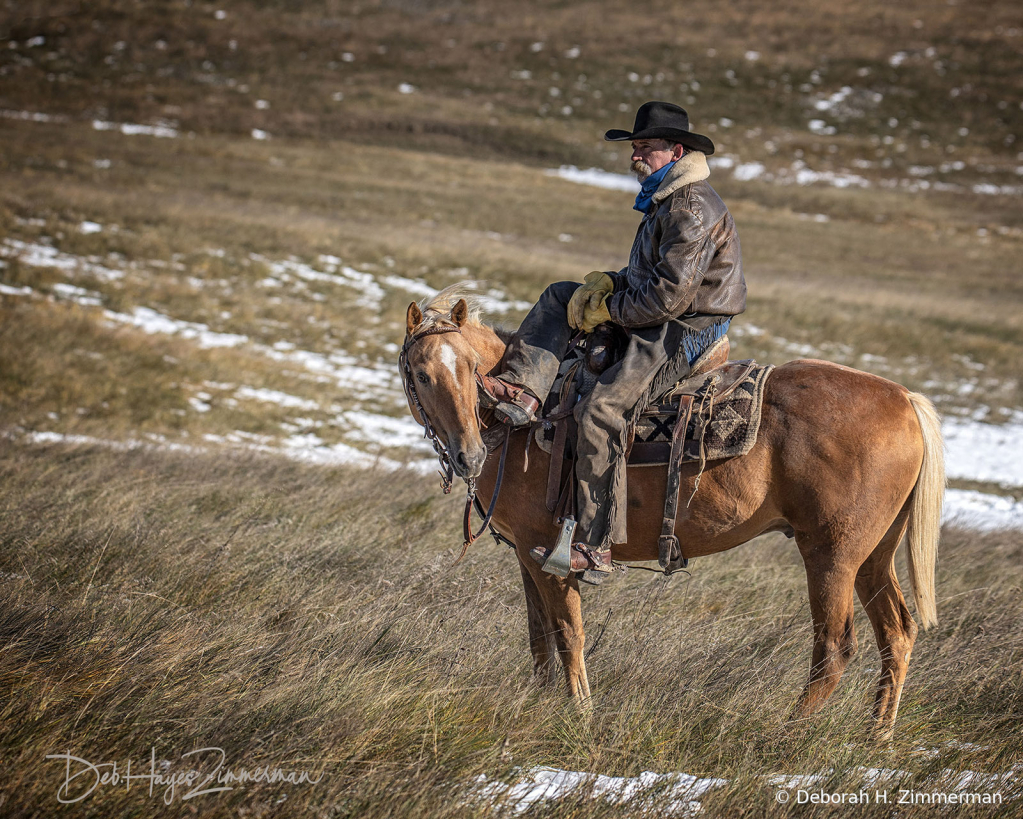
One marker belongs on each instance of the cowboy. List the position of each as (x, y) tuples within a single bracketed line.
[(675, 298)]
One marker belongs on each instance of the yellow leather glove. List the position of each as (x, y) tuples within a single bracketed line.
[(597, 287), (596, 312)]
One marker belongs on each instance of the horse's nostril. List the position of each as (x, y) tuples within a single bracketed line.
[(460, 459)]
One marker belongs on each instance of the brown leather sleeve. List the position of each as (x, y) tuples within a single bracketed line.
[(685, 259), (681, 249)]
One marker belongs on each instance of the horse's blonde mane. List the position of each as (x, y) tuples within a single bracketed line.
[(438, 307)]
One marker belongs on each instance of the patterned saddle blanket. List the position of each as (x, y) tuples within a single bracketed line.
[(730, 418)]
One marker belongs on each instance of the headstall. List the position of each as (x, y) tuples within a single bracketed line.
[(447, 469)]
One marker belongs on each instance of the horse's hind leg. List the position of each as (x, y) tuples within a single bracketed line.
[(834, 641), (878, 588), (541, 632)]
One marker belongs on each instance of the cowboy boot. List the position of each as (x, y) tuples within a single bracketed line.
[(513, 405), (590, 565)]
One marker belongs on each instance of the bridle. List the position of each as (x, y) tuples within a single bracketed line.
[(447, 469)]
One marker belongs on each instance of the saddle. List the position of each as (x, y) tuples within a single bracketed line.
[(711, 414)]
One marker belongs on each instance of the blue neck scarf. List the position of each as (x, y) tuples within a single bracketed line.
[(649, 187)]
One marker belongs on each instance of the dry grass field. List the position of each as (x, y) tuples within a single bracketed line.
[(215, 531)]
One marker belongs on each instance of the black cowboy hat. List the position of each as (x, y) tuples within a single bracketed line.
[(663, 120)]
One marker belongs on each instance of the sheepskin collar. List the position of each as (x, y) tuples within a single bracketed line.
[(690, 168)]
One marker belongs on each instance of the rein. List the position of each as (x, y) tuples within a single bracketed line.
[(447, 468)]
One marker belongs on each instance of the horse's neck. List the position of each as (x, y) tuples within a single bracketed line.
[(487, 343)]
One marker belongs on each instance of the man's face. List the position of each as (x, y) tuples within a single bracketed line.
[(650, 155)]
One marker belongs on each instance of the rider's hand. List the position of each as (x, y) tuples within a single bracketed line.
[(597, 287), (596, 312)]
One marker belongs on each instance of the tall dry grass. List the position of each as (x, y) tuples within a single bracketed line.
[(309, 619)]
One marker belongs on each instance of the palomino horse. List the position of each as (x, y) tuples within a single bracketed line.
[(846, 462)]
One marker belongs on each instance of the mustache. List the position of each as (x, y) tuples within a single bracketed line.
[(641, 169)]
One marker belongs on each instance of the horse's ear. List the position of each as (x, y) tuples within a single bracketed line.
[(413, 318), (460, 312)]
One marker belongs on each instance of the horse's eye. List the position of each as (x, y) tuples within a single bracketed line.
[(422, 379)]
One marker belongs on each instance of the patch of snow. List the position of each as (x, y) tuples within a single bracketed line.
[(676, 794), (833, 101), (198, 404), (282, 399), (8, 290), (406, 88), (162, 130), (90, 227), (818, 126), (987, 189), (383, 429), (806, 176), (496, 301), (984, 452), (40, 255), (308, 449), (371, 292), (32, 116), (597, 178), (378, 380), (154, 323), (749, 170), (260, 134), (79, 295), (980, 511), (415, 286)]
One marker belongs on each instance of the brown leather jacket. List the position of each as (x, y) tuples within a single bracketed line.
[(685, 259)]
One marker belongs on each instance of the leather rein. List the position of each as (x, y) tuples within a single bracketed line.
[(447, 468)]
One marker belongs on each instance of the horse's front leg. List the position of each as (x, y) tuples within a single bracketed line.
[(559, 605), (541, 632)]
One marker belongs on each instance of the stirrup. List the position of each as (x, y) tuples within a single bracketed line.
[(568, 558)]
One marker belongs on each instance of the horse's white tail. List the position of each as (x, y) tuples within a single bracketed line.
[(925, 513)]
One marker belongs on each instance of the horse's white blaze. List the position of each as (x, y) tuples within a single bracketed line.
[(450, 360)]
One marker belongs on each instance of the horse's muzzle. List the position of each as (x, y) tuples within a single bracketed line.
[(468, 461)]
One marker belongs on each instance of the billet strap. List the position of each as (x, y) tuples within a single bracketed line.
[(560, 418), (565, 505), (557, 462), (669, 550)]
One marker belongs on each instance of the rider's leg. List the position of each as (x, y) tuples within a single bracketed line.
[(653, 356), (531, 363)]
